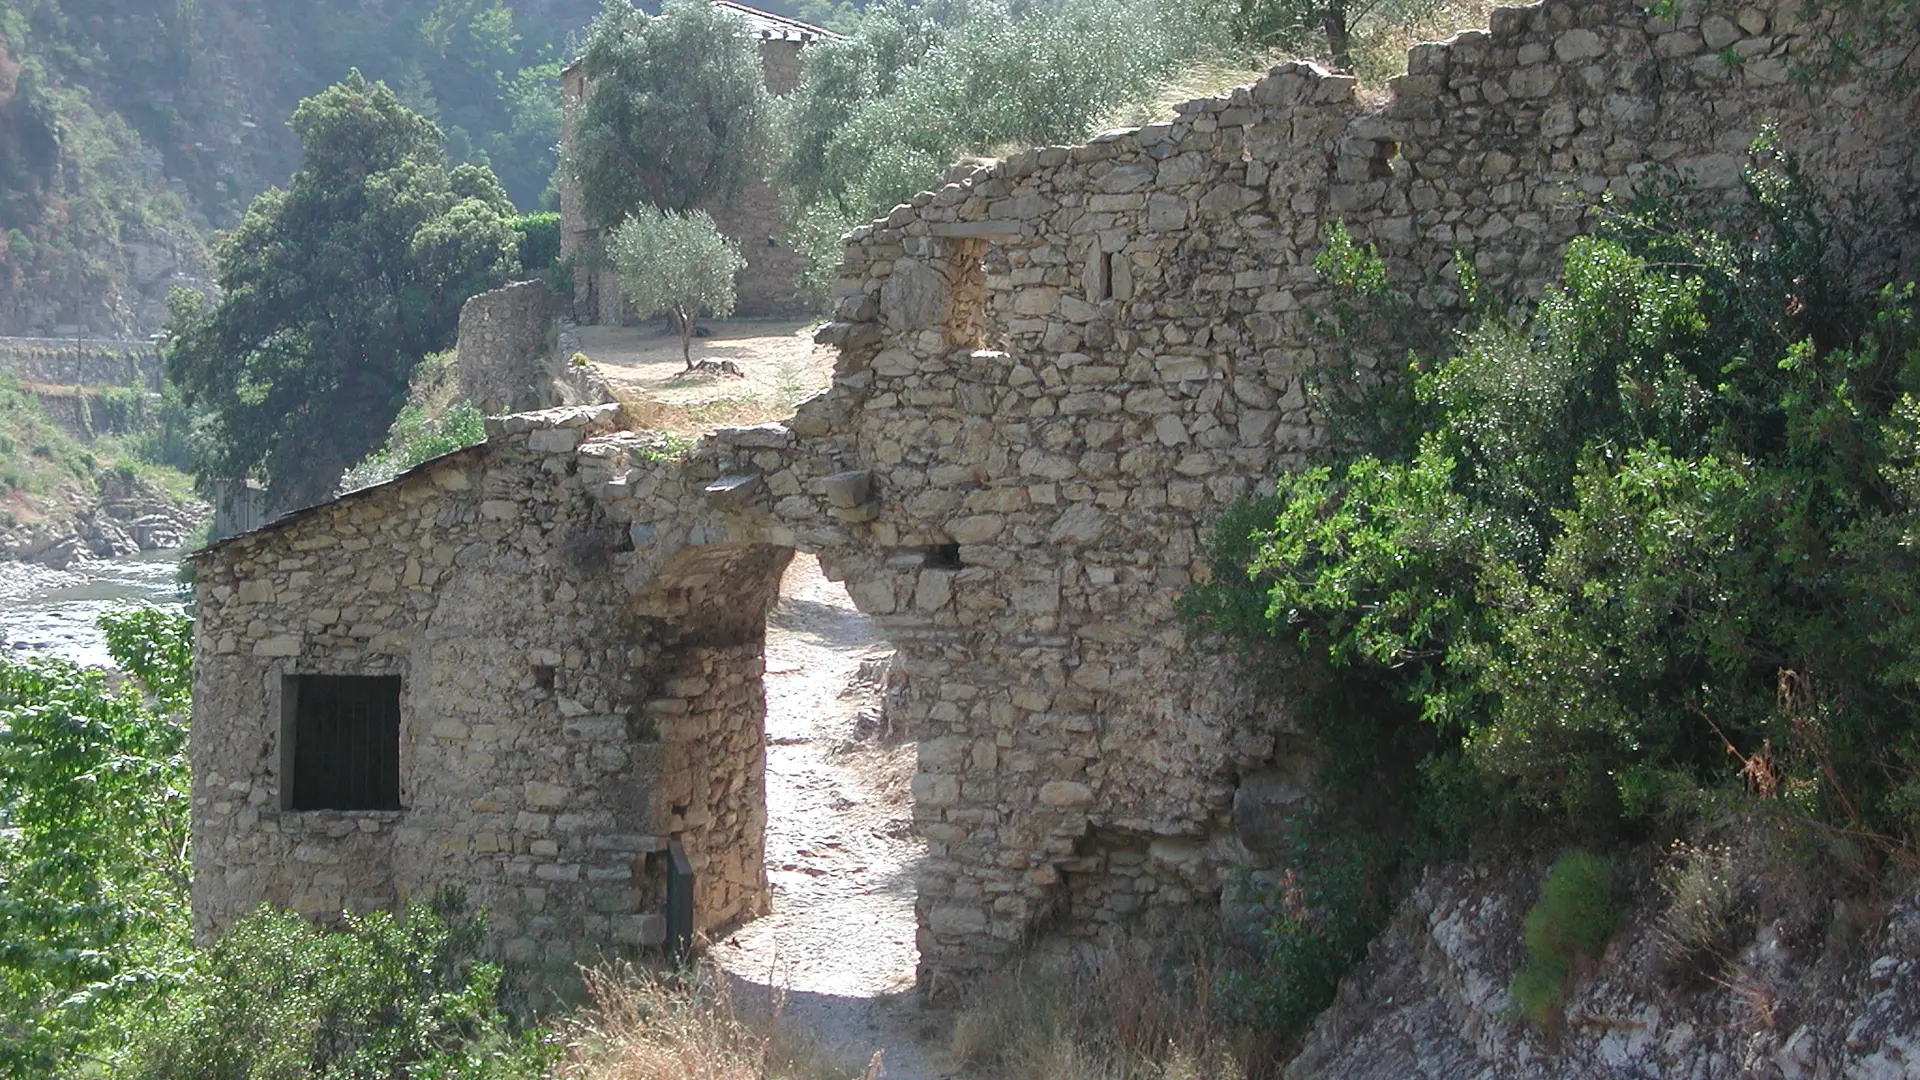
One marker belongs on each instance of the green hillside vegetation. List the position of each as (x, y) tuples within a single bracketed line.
[(47, 471)]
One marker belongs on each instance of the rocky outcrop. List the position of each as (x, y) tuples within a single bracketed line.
[(125, 515), (1796, 999)]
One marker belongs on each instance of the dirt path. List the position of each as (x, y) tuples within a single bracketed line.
[(840, 852)]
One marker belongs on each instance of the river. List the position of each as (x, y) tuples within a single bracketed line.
[(55, 612)]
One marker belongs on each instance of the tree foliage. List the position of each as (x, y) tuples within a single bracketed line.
[(879, 115), (676, 110), (93, 839), (675, 263), (333, 289)]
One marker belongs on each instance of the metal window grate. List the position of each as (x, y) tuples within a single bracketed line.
[(346, 743)]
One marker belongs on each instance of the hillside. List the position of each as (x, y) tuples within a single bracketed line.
[(129, 129)]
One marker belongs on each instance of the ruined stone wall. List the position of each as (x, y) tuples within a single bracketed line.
[(1054, 373), (1061, 368), (480, 580), (581, 684), (506, 346)]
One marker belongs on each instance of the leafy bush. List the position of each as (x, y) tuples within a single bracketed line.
[(1573, 919), (93, 840), (417, 437), (1655, 539), (1661, 520), (539, 241), (277, 997)]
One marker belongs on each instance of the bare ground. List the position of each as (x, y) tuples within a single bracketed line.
[(778, 362), (837, 954)]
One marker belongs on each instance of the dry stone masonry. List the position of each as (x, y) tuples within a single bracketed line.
[(1054, 373)]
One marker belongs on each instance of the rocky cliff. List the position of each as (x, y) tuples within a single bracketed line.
[(1811, 976)]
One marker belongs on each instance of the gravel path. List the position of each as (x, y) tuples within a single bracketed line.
[(841, 857)]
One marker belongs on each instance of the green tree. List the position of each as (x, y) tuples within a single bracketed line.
[(675, 263), (333, 289), (676, 110), (93, 839), (878, 115)]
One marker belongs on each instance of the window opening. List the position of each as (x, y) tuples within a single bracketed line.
[(942, 557), (342, 733)]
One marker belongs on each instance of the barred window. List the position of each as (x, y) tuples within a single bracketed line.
[(341, 742)]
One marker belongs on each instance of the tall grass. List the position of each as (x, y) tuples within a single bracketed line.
[(1133, 1007)]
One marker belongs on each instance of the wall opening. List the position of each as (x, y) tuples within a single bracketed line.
[(841, 855), (340, 742)]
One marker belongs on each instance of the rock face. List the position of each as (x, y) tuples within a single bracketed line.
[(1054, 373), (125, 515), (1431, 1000)]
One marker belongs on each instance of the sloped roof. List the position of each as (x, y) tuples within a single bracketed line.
[(770, 27)]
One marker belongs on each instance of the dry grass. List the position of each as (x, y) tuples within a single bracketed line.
[(1380, 47), (1137, 1007), (646, 414), (644, 1025), (1199, 79)]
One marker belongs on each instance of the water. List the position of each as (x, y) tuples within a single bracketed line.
[(56, 612)]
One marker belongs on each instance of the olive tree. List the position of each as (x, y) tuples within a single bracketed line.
[(677, 264)]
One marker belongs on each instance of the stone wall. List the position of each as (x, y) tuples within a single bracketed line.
[(1054, 373), (1060, 369), (82, 361), (516, 755), (506, 348)]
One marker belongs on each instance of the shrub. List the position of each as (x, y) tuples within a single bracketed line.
[(1316, 924), (1573, 920), (277, 997), (648, 1026), (1703, 892), (1663, 519), (93, 840), (1654, 539), (1136, 1006), (539, 242)]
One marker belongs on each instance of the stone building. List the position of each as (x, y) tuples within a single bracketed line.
[(1054, 373), (754, 218)]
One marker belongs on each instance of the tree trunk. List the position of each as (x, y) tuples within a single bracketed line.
[(1333, 18), (686, 335)]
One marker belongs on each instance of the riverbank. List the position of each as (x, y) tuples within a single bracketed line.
[(57, 612)]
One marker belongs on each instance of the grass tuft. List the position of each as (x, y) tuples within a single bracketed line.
[(1573, 920)]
